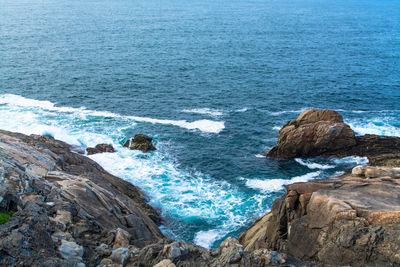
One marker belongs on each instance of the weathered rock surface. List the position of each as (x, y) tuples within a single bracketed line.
[(312, 133), (100, 148), (70, 212), (66, 206), (323, 133), (140, 142), (230, 253), (335, 221)]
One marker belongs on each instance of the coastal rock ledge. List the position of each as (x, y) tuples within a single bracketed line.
[(353, 219), (68, 211), (347, 220)]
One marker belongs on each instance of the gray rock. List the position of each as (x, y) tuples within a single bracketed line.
[(71, 250), (120, 255)]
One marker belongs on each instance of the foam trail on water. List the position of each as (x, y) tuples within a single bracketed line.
[(376, 126), (16, 101), (274, 185), (313, 165), (206, 111), (183, 194)]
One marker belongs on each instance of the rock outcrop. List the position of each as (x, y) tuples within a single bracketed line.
[(323, 133), (70, 212), (100, 148), (66, 206), (348, 220), (140, 142)]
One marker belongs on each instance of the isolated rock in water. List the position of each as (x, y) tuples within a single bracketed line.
[(140, 142), (100, 148), (313, 133)]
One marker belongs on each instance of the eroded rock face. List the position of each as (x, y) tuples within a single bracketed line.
[(140, 142), (344, 220), (66, 206), (313, 133)]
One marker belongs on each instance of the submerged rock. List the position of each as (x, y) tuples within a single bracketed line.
[(140, 142), (100, 148)]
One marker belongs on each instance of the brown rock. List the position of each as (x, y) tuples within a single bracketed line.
[(344, 221), (100, 148), (140, 142), (313, 133)]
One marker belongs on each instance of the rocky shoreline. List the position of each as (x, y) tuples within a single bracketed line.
[(70, 212)]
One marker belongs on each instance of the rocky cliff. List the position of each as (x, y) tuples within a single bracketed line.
[(70, 212), (353, 219), (66, 205), (337, 221)]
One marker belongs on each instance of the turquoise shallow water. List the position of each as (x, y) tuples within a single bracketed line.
[(211, 81)]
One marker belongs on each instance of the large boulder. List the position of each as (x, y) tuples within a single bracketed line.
[(140, 142), (314, 132)]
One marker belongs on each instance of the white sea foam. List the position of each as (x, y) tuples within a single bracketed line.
[(16, 101), (242, 110), (277, 128), (181, 194), (313, 165), (207, 111), (207, 238), (352, 160), (376, 126), (259, 156), (274, 185), (277, 113)]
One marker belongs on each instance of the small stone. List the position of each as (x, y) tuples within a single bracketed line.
[(106, 263), (121, 238), (70, 250), (358, 171), (165, 263), (120, 255)]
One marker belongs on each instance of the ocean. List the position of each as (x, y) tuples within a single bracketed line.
[(211, 81)]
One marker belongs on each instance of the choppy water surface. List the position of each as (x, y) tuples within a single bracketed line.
[(211, 81)]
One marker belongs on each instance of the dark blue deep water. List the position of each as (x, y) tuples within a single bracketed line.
[(212, 81)]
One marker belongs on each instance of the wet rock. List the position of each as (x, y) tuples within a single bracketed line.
[(100, 148), (140, 142)]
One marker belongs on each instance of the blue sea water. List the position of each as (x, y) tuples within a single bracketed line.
[(211, 81)]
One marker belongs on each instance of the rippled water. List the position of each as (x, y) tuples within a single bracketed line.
[(211, 81)]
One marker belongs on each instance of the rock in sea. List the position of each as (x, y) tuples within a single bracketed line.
[(140, 142)]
